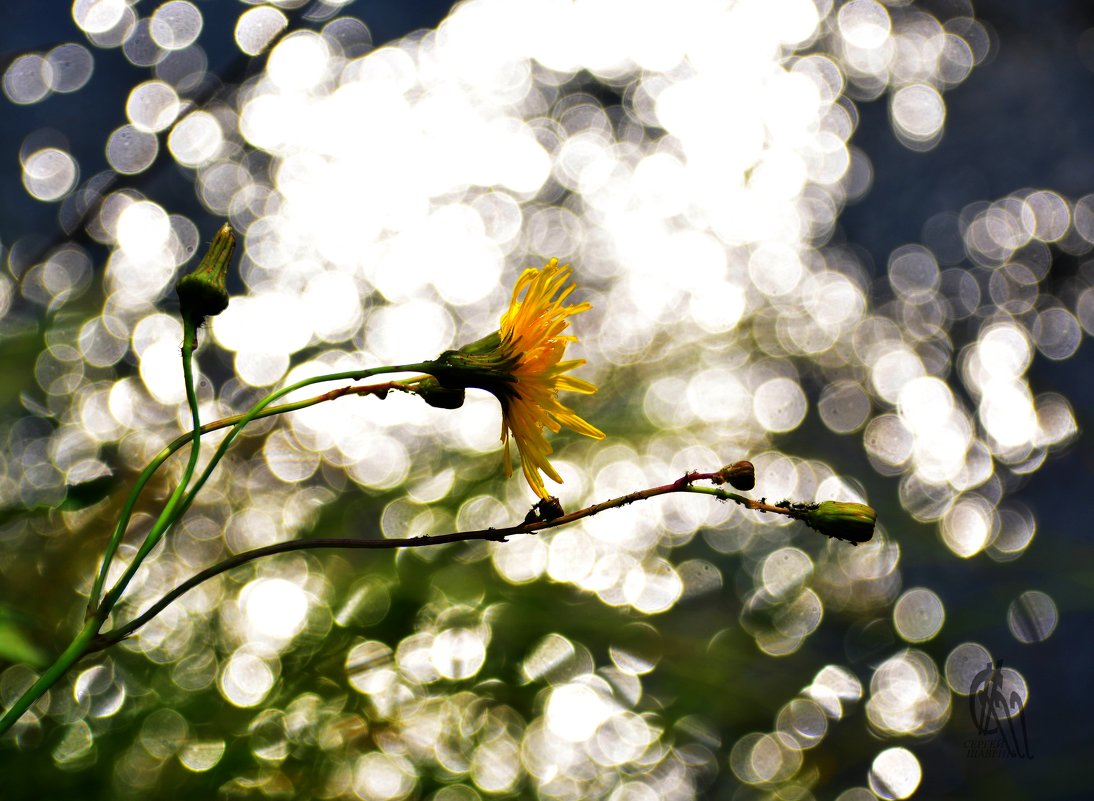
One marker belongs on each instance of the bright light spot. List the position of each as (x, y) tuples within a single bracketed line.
[(653, 587), (895, 774), (175, 25), (495, 767), (202, 756), (288, 461), (913, 271), (864, 23), (1003, 351), (332, 300), (196, 139), (1057, 333), (574, 711), (160, 374), (521, 560), (964, 664), (152, 106), (299, 61), (27, 79), (257, 27), (925, 403), (404, 332), (907, 696), (802, 722), (550, 654), (49, 174), (383, 777), (918, 615), (246, 680), (779, 405), (275, 608), (458, 653), (967, 528), (370, 667), (918, 113), (98, 16), (71, 66), (785, 571), (1046, 216), (796, 19), (775, 269), (143, 230), (893, 370), (130, 150), (762, 758), (844, 406), (1032, 617)]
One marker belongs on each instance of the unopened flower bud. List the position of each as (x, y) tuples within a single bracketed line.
[(430, 390), (545, 510), (204, 293), (851, 522), (739, 475)]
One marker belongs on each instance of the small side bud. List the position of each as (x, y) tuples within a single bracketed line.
[(851, 522), (739, 475), (430, 390), (204, 293), (545, 510)]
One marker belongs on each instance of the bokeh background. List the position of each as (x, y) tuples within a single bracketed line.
[(847, 240)]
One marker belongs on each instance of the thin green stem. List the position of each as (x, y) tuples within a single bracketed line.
[(167, 516), (529, 526), (179, 442), (88, 639), (157, 532), (81, 645), (748, 503), (126, 515)]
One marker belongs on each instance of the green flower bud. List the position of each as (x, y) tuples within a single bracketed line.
[(430, 390), (203, 293), (850, 522), (740, 475)]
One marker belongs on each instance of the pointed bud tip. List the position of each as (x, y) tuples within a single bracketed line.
[(852, 522), (204, 293), (739, 475)]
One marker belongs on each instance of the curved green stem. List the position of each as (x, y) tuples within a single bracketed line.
[(531, 525), (167, 516), (88, 639), (76, 649), (179, 442), (157, 532), (126, 515), (748, 503)]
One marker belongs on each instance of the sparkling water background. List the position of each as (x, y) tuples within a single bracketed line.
[(901, 217)]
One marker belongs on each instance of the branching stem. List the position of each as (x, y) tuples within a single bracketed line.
[(684, 484)]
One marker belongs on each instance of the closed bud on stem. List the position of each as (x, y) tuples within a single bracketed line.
[(204, 293), (851, 522), (739, 475), (430, 390)]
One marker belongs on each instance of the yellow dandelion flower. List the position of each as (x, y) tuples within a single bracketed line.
[(521, 364)]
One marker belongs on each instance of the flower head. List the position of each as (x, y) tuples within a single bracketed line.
[(521, 364)]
